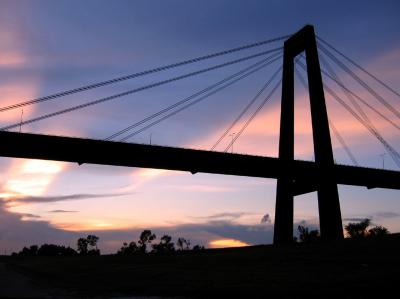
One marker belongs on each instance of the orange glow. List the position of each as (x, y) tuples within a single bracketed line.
[(15, 93), (7, 195), (144, 175), (222, 243), (149, 173), (31, 177), (91, 225), (261, 137), (40, 166)]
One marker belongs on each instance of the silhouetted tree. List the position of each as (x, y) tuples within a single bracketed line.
[(183, 244), (126, 249), (179, 243), (94, 252), (83, 243), (68, 251), (55, 250), (307, 236), (165, 245), (358, 230), (145, 238), (47, 250), (378, 231), (92, 240), (34, 249), (31, 251), (198, 248)]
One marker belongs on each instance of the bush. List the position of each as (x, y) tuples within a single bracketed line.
[(360, 230), (378, 231), (307, 236), (46, 250)]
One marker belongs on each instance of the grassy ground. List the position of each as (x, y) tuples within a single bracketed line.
[(346, 269)]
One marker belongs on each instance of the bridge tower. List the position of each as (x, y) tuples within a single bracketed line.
[(287, 184)]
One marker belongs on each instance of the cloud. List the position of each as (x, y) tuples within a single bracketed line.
[(30, 177), (27, 231), (44, 199), (19, 229), (253, 234), (62, 211), (375, 216), (29, 215), (226, 216), (197, 233), (355, 219), (385, 215)]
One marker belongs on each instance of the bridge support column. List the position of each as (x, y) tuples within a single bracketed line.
[(328, 196), (284, 196)]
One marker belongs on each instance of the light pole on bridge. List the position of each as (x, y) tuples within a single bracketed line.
[(232, 135), (383, 160)]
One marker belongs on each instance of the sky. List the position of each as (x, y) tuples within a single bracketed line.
[(52, 46)]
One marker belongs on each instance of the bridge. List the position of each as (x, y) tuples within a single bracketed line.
[(294, 177)]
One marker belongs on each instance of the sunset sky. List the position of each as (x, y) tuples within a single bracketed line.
[(52, 46)]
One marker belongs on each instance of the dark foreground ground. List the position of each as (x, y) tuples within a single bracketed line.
[(367, 268)]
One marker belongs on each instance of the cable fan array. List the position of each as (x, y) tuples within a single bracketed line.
[(329, 55)]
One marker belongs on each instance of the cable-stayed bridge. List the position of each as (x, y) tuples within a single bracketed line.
[(294, 177)]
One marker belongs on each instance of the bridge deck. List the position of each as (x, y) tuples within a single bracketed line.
[(79, 150)]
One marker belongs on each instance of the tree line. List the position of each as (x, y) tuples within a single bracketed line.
[(356, 230), (145, 243), (88, 246), (164, 246)]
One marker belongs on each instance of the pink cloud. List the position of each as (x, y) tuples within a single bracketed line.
[(386, 66), (202, 188), (11, 59), (16, 92)]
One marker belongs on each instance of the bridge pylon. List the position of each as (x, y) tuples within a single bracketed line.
[(290, 184)]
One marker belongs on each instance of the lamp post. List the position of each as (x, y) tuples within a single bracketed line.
[(231, 135), (20, 124), (383, 160)]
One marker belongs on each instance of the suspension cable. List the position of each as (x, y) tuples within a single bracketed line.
[(346, 89), (348, 95), (343, 143), (191, 103), (361, 82), (145, 87), (393, 153), (358, 107), (269, 59), (335, 131), (139, 74), (359, 66), (253, 116), (246, 108)]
